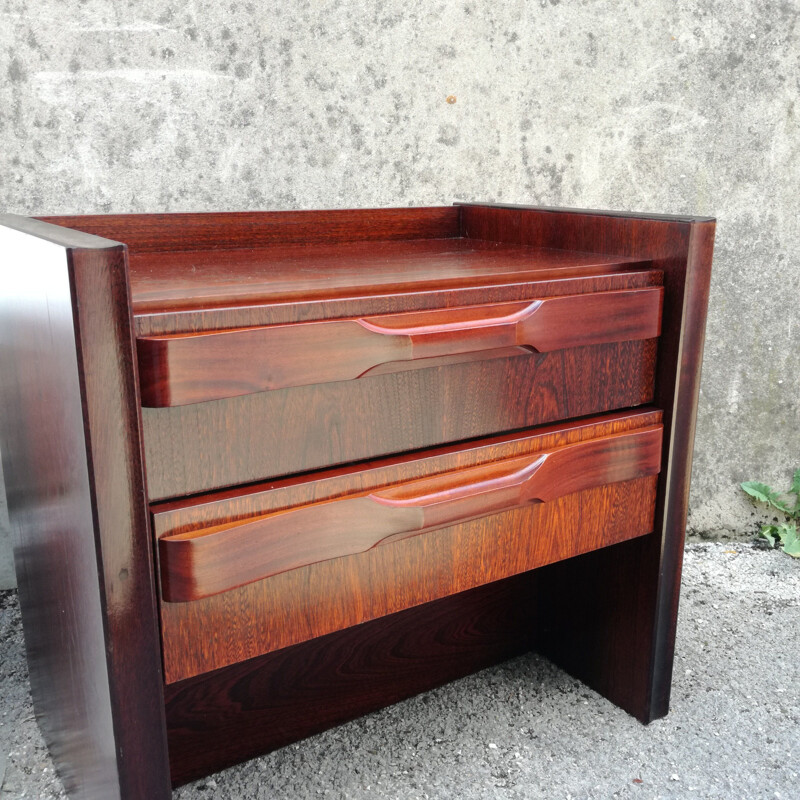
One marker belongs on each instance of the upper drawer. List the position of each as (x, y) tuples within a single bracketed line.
[(181, 369), (236, 406), (259, 363)]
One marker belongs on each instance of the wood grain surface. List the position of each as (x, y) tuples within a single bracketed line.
[(231, 230), (197, 448), (69, 435), (295, 606), (625, 650), (215, 559), (192, 368), (435, 296), (226, 716), (176, 281)]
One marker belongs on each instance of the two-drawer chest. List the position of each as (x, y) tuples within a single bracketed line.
[(267, 472)]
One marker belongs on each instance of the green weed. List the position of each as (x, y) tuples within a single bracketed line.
[(785, 533)]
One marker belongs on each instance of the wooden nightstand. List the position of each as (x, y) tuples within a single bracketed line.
[(269, 471)]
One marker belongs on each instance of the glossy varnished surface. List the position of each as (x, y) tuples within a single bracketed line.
[(111, 412), (627, 651), (50, 509), (536, 285), (315, 600), (74, 480), (193, 368), (163, 282), (209, 560)]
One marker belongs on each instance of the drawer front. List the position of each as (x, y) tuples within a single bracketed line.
[(193, 368), (251, 571)]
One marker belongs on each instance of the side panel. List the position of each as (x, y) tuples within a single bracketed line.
[(111, 408), (625, 647), (73, 470), (45, 463)]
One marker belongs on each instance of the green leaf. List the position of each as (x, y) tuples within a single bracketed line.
[(781, 505), (786, 529), (766, 494), (758, 490), (769, 532), (796, 483), (796, 489), (790, 539)]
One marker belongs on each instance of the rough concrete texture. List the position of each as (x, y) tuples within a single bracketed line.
[(525, 729), (657, 105)]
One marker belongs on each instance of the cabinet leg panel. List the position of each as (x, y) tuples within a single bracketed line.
[(596, 619)]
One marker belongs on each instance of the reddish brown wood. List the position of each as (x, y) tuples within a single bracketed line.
[(176, 232), (192, 368), (504, 287), (305, 603), (608, 616), (197, 448), (236, 713), (69, 435), (174, 281), (626, 651), (310, 601), (210, 560), (177, 282)]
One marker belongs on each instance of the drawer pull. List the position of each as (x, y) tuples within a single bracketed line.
[(211, 560), (191, 368)]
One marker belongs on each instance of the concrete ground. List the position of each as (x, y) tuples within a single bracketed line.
[(525, 729)]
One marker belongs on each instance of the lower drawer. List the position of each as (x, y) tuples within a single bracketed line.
[(249, 571)]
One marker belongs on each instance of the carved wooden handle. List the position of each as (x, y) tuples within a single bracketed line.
[(203, 562), (192, 368)]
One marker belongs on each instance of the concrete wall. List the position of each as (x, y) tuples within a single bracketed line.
[(656, 105)]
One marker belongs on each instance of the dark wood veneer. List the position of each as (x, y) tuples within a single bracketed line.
[(192, 368), (512, 287), (258, 666), (171, 282), (74, 479), (210, 560)]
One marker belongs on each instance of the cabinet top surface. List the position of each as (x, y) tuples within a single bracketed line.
[(212, 278)]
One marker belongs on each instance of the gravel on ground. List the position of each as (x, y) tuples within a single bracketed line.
[(526, 730)]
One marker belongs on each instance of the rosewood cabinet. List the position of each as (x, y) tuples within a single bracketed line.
[(270, 471)]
